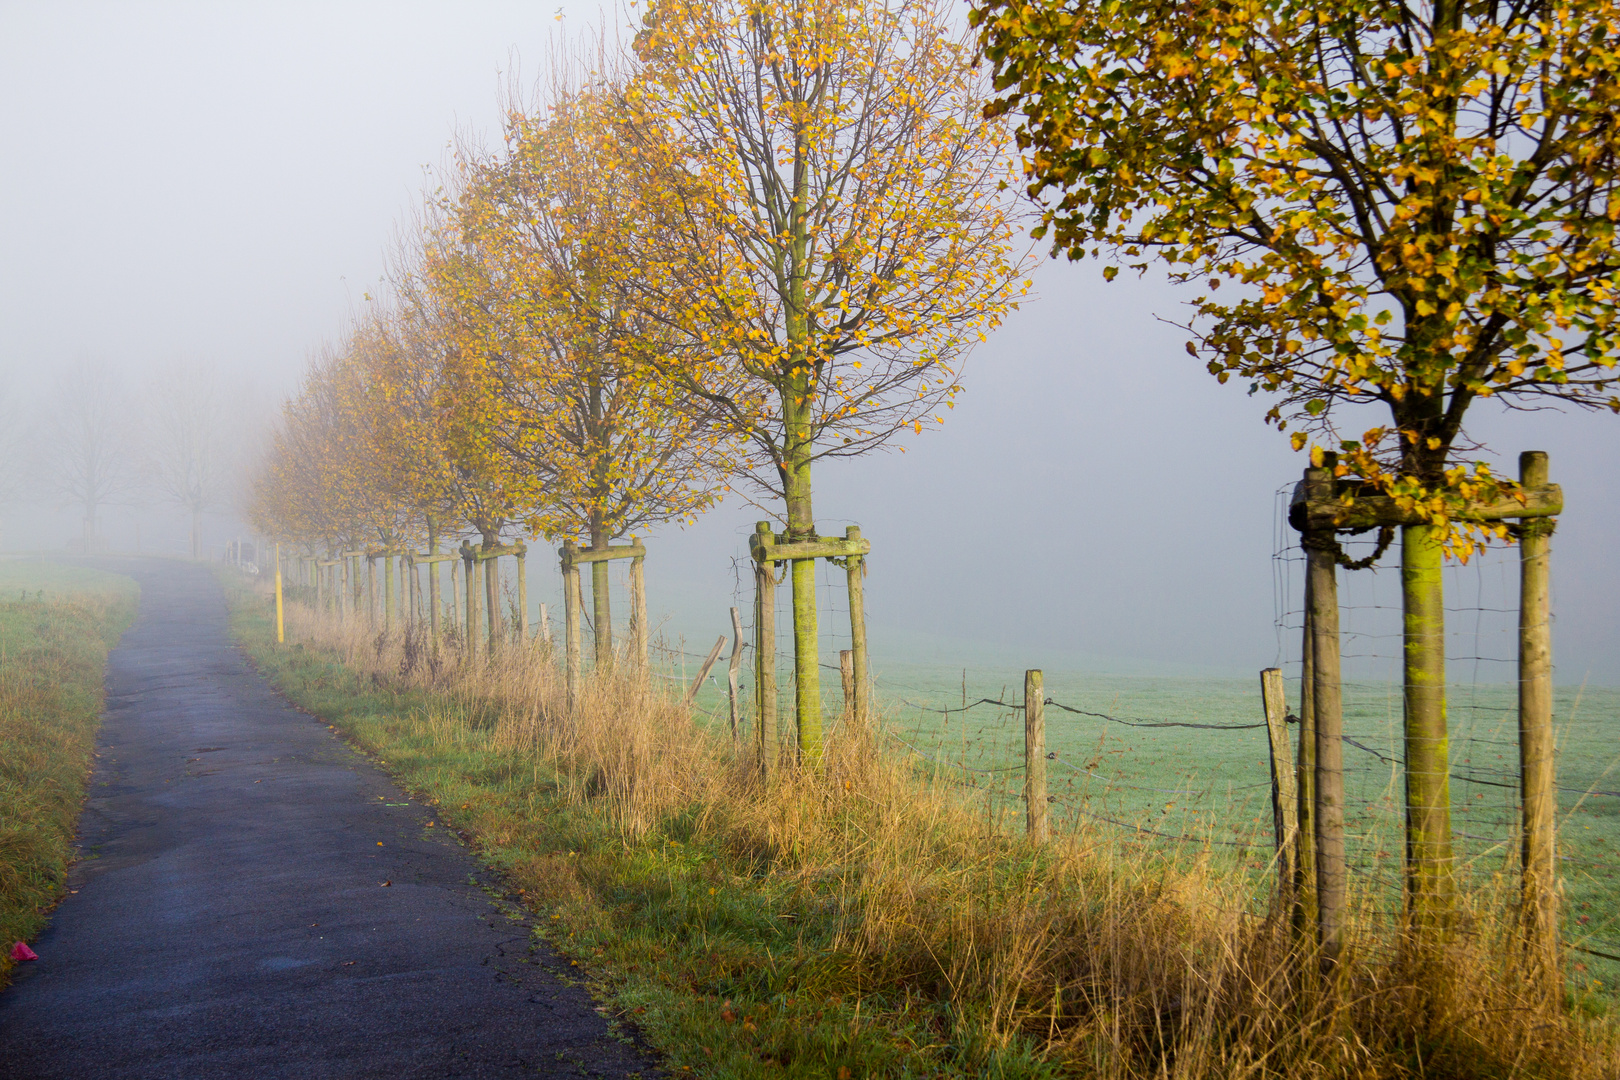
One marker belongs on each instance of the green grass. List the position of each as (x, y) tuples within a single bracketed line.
[(56, 625)]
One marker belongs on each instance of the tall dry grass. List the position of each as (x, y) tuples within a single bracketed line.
[(1087, 955)]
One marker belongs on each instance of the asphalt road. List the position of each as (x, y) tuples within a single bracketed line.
[(230, 917)]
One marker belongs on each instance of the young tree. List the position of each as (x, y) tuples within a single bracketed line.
[(188, 453), (839, 236), (85, 443), (557, 378), (1416, 204)]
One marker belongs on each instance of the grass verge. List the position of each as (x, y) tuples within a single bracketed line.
[(865, 922), (56, 625)]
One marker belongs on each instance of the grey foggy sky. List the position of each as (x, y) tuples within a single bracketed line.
[(220, 181)]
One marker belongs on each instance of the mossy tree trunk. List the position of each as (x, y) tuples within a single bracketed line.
[(797, 389)]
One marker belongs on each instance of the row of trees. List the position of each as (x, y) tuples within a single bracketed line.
[(765, 237), (91, 441)]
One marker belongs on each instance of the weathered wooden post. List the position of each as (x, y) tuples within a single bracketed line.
[(733, 668), (1035, 755), (1284, 797), (638, 610), (846, 675), (454, 613), (571, 619), (434, 615), (1305, 784), (470, 564), (1321, 561), (522, 594), (489, 566), (765, 652), (856, 574), (545, 624), (703, 672), (281, 635), (1538, 790)]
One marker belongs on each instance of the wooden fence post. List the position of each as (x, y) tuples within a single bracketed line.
[(490, 568), (846, 675), (523, 594), (1537, 787), (470, 588), (571, 620), (765, 655), (638, 612), (281, 635), (1284, 796), (545, 624), (855, 566), (732, 669), (454, 614), (1321, 568), (371, 591), (1035, 755)]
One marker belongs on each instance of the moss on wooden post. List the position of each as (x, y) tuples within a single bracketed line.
[(1035, 755), (1430, 878), (1537, 779)]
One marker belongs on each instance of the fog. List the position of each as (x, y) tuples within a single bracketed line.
[(217, 185)]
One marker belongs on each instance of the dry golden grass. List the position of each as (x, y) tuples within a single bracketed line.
[(972, 951)]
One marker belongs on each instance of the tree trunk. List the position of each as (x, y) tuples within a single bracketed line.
[(1430, 883), (601, 603), (196, 533), (801, 526)]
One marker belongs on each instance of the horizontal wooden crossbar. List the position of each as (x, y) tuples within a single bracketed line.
[(575, 556), (822, 547), (1369, 511)]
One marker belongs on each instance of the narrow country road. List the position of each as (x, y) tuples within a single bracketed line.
[(231, 919)]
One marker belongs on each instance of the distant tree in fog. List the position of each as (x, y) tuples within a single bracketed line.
[(188, 456), (85, 450)]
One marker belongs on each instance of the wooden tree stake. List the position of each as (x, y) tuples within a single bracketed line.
[(522, 596), (638, 611), (1537, 779), (732, 670), (571, 618), (765, 655), (856, 572), (1331, 874), (281, 633)]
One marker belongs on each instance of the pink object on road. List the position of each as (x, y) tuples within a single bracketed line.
[(20, 951)]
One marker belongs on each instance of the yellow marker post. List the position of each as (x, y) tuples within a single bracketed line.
[(281, 637)]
